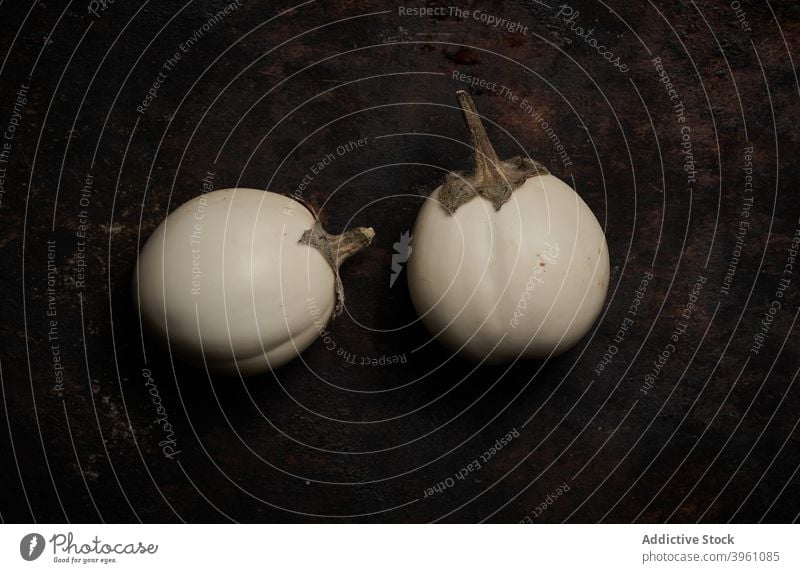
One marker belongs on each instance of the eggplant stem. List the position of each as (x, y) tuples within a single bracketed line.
[(336, 249), (485, 157), (492, 179)]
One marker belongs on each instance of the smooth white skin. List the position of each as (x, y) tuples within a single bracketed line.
[(530, 279), (260, 299)]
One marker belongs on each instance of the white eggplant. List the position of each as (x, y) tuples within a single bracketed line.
[(241, 280), (508, 262)]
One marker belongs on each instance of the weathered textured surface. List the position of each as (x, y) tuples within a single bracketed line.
[(258, 100)]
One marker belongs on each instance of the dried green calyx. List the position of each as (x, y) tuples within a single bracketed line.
[(336, 249), (492, 179)]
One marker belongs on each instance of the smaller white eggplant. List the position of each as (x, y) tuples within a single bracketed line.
[(241, 280), (508, 261)]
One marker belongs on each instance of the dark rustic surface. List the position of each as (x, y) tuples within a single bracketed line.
[(263, 95)]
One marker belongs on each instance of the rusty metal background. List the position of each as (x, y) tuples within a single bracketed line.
[(344, 434)]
